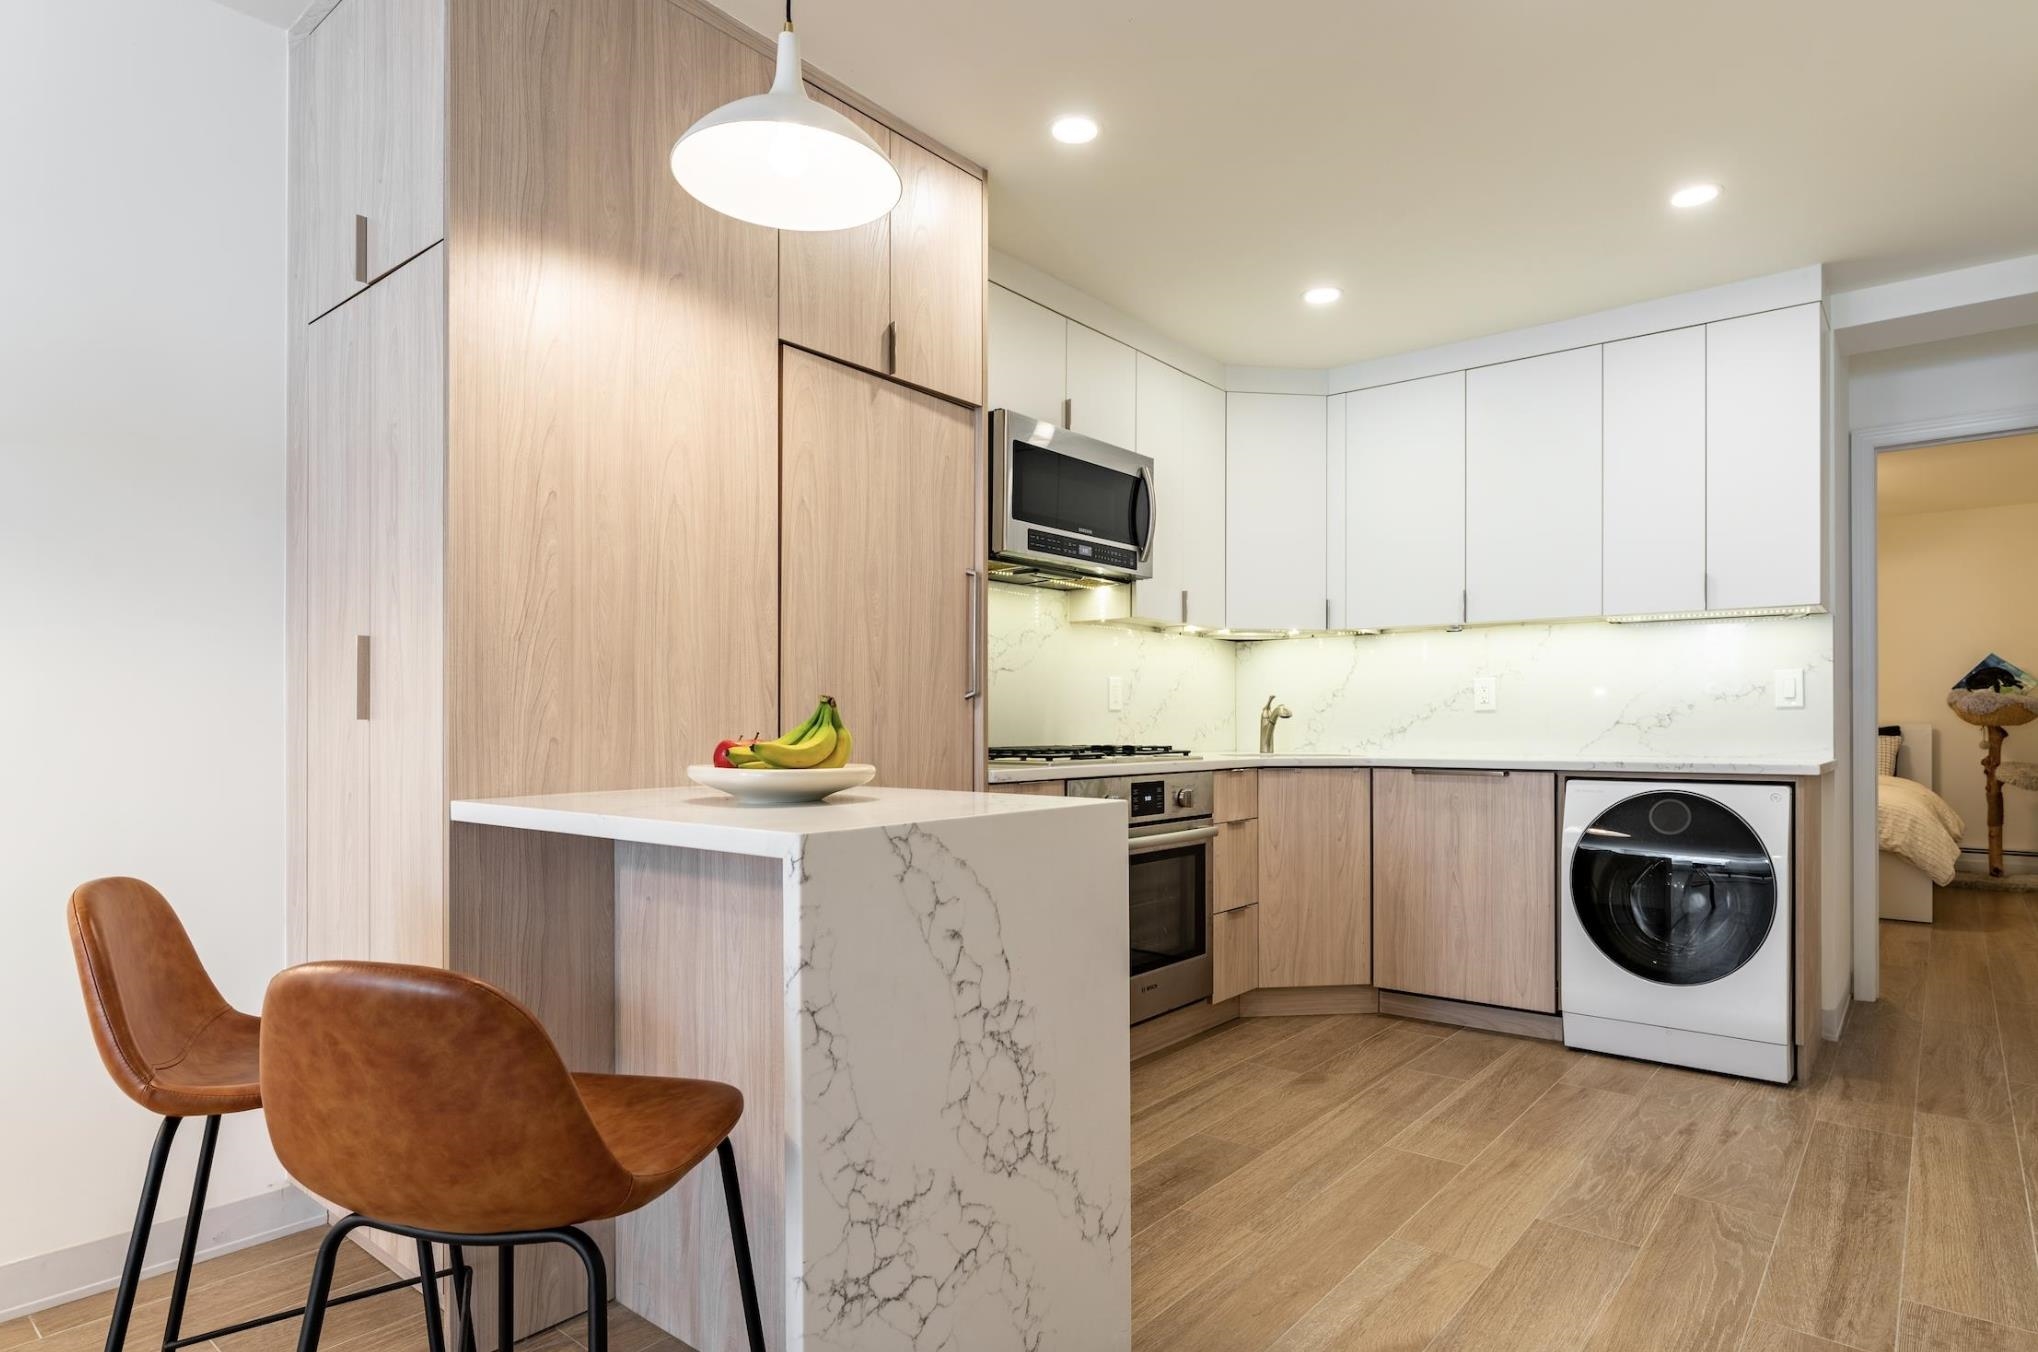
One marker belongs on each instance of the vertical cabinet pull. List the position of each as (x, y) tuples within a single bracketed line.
[(976, 644), (892, 348), (1068, 413), (361, 257), (1185, 605), (361, 676)]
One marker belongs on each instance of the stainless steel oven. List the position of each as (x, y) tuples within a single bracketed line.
[(1168, 884), (1066, 504)]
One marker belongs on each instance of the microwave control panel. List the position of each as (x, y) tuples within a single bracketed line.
[(1087, 551)]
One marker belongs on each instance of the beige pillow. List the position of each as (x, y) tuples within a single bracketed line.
[(1885, 754)]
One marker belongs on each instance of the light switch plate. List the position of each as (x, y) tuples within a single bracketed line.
[(1485, 693), (1114, 693), (1790, 687)]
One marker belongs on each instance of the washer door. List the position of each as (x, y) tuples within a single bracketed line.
[(1673, 887)]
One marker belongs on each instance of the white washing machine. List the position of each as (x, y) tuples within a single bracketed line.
[(1675, 941)]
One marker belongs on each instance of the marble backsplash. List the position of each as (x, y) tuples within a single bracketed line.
[(1697, 689)]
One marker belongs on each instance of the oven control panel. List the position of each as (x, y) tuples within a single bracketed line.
[(1149, 798), (1152, 798)]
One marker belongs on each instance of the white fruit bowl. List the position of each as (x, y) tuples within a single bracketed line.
[(780, 786)]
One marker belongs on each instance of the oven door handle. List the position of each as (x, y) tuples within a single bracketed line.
[(1167, 841)]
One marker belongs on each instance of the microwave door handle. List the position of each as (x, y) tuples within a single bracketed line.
[(1143, 515)]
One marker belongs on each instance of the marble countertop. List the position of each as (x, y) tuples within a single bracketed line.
[(1237, 760), (702, 819)]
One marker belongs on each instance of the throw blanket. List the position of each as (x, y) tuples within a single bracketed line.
[(1918, 824)]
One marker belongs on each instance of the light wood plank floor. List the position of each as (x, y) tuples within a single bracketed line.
[(1362, 1184)]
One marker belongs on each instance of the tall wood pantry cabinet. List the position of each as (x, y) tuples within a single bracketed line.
[(542, 510)]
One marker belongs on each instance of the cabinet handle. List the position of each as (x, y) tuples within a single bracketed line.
[(975, 638), (1326, 612), (1068, 413), (361, 676), (361, 258), (1185, 605), (1444, 770), (892, 348)]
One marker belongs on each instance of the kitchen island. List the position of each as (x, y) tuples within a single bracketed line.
[(921, 996)]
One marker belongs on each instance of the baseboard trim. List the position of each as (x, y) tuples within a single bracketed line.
[(1279, 1001), (42, 1280), (1492, 1018)]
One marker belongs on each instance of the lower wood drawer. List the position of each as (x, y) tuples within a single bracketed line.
[(1235, 866), (1234, 953)]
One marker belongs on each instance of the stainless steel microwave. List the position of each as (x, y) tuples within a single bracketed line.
[(1064, 503)]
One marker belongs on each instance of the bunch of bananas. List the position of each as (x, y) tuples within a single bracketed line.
[(820, 743)]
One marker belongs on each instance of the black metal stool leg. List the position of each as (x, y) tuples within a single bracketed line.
[(322, 1284), (506, 1297), (138, 1242), (173, 1319), (463, 1297), (597, 1286), (753, 1320), (435, 1332)]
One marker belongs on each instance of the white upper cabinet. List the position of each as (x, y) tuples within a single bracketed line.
[(1405, 504), (1532, 489), (1181, 426), (1335, 528), (1765, 463), (1029, 356), (1654, 467), (1102, 387), (1275, 522)]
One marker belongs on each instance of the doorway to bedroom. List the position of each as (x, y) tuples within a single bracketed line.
[(1957, 697)]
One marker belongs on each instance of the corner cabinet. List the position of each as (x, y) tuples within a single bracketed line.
[(1465, 885), (902, 296), (1314, 922), (881, 595), (1275, 524)]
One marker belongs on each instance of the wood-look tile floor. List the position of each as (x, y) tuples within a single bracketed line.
[(1363, 1183)]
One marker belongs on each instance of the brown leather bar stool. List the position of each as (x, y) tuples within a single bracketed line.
[(175, 1046), (434, 1106)]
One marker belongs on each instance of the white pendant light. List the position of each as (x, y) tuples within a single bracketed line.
[(782, 160)]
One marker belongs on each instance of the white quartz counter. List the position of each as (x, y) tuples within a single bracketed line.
[(694, 818), (1239, 760)]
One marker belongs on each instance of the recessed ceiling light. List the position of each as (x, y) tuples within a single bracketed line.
[(1322, 295), (1074, 130), (1694, 194)]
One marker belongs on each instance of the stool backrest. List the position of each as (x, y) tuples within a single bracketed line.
[(427, 1098), (147, 995)]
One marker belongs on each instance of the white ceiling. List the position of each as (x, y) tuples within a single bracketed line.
[(1992, 473), (1459, 167), (282, 13)]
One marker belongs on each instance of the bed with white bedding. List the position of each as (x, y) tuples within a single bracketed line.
[(1917, 830)]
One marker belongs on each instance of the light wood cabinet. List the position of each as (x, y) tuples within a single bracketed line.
[(1102, 387), (1274, 521), (1654, 474), (368, 146), (1464, 885), (835, 286), (374, 460), (1235, 866), (1234, 953), (938, 264), (1235, 795), (1765, 460), (1405, 504), (881, 585), (902, 295), (1532, 489), (1315, 900)]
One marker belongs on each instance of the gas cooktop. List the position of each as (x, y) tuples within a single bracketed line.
[(1050, 755)]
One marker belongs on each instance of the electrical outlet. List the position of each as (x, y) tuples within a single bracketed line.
[(1114, 693), (1790, 687), (1485, 694)]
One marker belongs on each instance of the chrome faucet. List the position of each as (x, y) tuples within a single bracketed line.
[(1269, 715)]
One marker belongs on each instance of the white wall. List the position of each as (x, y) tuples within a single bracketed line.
[(1949, 379), (141, 562)]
